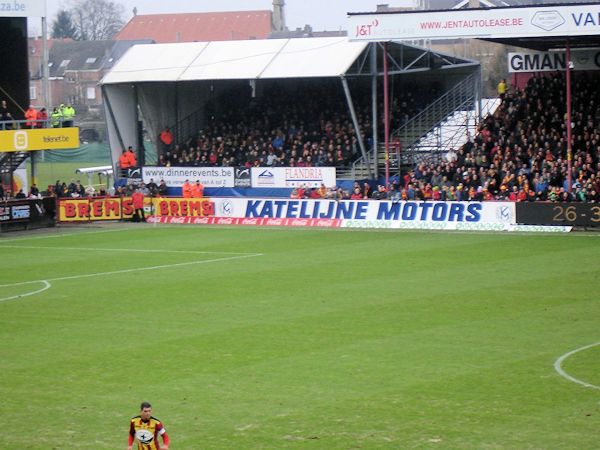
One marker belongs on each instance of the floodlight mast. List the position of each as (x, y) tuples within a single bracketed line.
[(386, 115), (569, 131)]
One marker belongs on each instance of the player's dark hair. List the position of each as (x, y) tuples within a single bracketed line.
[(145, 405)]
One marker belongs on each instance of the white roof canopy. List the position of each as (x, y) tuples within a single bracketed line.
[(230, 60)]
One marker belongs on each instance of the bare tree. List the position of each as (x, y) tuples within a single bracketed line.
[(96, 20)]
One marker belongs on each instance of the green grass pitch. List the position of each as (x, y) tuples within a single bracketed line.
[(247, 338)]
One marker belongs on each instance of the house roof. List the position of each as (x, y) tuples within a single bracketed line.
[(86, 55), (199, 27), (77, 55)]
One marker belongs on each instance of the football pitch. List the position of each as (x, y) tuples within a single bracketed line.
[(253, 338)]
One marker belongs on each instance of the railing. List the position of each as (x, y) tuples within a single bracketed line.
[(187, 127), (460, 97), (453, 132), (26, 124), (361, 168)]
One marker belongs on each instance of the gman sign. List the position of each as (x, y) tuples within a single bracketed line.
[(553, 61)]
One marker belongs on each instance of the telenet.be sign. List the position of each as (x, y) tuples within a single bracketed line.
[(39, 139)]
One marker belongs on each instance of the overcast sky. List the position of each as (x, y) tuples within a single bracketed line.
[(320, 14)]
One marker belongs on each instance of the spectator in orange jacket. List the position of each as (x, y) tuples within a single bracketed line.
[(124, 161), (31, 116), (132, 157), (198, 190), (127, 160), (186, 190)]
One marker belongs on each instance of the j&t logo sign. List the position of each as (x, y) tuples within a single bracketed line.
[(365, 30)]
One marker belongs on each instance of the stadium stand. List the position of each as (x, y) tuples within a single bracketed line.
[(520, 151), (295, 127)]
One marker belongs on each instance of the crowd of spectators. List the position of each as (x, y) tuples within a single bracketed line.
[(75, 189), (60, 116), (520, 152), (303, 127)]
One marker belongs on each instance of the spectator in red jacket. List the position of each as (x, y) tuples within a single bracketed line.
[(42, 117), (166, 138), (138, 206)]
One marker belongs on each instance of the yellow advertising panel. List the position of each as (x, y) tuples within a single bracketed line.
[(39, 139), (183, 207), (94, 208), (115, 208)]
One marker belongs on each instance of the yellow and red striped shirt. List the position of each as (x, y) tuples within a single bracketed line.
[(146, 432)]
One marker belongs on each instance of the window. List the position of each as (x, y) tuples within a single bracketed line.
[(90, 60), (65, 63), (91, 93), (32, 92)]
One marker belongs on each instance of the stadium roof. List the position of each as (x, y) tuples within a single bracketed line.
[(198, 27), (230, 60)]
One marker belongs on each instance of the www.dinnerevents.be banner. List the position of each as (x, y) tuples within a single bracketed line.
[(256, 177)]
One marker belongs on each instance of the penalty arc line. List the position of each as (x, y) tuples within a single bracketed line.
[(47, 285), (562, 373), (137, 269)]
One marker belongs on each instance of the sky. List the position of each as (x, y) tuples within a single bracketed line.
[(322, 15)]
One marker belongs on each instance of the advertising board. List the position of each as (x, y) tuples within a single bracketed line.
[(553, 61), (538, 21), (291, 177), (39, 139), (23, 8), (469, 216), (351, 214), (176, 176), (243, 177)]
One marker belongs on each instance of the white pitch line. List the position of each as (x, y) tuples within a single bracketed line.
[(137, 269), (125, 250), (54, 236), (47, 285), (562, 373)]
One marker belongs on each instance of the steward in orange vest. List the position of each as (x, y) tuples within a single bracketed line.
[(198, 190), (186, 190), (124, 160)]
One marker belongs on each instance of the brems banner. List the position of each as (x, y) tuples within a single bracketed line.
[(115, 208), (563, 20), (94, 208)]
